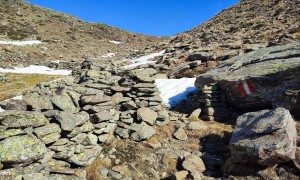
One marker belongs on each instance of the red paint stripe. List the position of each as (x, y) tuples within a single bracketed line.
[(251, 87), (242, 90)]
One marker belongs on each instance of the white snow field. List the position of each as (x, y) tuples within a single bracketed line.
[(36, 70), (173, 91), (20, 43), (116, 42), (15, 98), (143, 60)]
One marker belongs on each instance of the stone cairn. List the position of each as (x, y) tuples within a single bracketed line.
[(212, 101), (58, 128)]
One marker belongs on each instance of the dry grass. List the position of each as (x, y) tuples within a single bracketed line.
[(18, 83), (213, 128), (93, 169)]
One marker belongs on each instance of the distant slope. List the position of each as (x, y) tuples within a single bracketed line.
[(64, 36)]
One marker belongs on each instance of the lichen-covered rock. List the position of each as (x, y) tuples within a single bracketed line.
[(265, 137), (11, 132), (47, 129), (21, 149), (64, 103), (13, 104), (36, 101), (87, 156), (22, 119), (18, 173), (70, 120)]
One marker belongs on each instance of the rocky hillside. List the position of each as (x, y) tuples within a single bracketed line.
[(244, 27), (110, 123), (64, 36)]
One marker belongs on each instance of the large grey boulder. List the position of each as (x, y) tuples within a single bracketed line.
[(265, 137), (269, 76), (21, 149)]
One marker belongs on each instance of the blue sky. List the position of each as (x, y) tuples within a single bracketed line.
[(151, 17)]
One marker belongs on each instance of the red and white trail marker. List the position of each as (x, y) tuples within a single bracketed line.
[(246, 88)]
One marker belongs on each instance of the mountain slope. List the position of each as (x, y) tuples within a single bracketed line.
[(64, 36), (244, 27)]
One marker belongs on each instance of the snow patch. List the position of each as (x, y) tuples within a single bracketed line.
[(20, 43), (56, 61), (173, 91), (143, 60), (108, 55), (36, 70), (116, 42)]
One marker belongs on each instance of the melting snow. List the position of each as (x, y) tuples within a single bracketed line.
[(20, 43), (36, 70), (173, 91), (116, 42), (144, 60), (108, 55), (56, 61)]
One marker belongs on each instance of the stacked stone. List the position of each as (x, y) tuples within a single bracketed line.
[(213, 103), (60, 125)]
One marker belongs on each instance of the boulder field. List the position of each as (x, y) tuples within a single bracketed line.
[(66, 129)]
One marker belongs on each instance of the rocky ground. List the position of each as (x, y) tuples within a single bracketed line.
[(109, 122)]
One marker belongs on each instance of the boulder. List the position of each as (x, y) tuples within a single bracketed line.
[(180, 134), (36, 101), (95, 99), (266, 138), (145, 75), (203, 56), (69, 120), (14, 104), (101, 116), (21, 149), (141, 131), (86, 157), (266, 77), (64, 103), (194, 164), (22, 119), (146, 115), (49, 133)]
